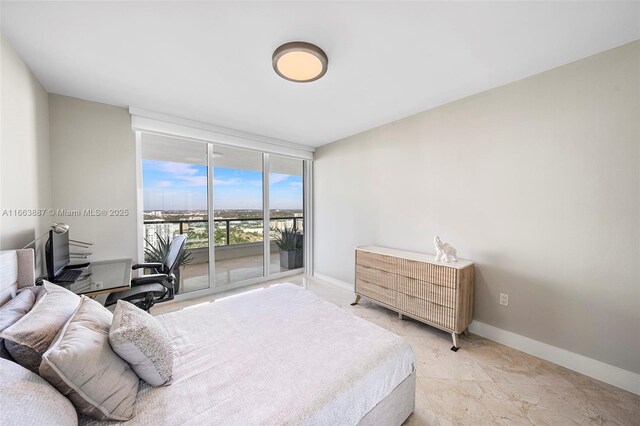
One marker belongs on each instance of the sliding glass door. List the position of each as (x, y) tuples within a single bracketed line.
[(241, 210), (175, 201), (286, 213), (238, 215)]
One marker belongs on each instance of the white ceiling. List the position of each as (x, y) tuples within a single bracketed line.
[(211, 61)]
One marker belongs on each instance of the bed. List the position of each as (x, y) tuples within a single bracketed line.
[(278, 356)]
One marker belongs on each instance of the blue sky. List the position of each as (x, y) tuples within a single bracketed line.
[(180, 186)]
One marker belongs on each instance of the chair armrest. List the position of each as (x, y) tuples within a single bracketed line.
[(153, 265), (149, 279)]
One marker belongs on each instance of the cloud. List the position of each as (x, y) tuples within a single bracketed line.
[(177, 174), (193, 180), (277, 178), (178, 169), (227, 182), (183, 174)]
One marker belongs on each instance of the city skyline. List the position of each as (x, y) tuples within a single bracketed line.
[(169, 186)]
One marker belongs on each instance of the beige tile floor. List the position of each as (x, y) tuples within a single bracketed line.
[(196, 276), (484, 383)]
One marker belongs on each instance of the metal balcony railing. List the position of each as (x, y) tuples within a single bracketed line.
[(297, 224)]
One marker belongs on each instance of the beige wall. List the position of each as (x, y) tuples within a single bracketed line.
[(25, 174), (93, 167), (538, 182), (63, 153)]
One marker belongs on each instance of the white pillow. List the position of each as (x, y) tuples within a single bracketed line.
[(142, 341), (30, 401), (82, 366), (11, 312), (31, 335)]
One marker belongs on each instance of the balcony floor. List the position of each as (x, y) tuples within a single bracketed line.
[(195, 277)]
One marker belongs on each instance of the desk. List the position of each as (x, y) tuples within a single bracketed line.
[(107, 276)]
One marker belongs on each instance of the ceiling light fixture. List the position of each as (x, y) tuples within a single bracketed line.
[(300, 62)]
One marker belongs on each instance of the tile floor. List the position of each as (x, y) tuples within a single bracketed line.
[(196, 276), (484, 383)]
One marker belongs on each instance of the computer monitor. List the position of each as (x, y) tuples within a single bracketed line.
[(57, 253)]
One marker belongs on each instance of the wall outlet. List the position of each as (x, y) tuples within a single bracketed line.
[(504, 299)]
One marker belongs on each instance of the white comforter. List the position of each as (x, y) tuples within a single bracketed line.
[(275, 356)]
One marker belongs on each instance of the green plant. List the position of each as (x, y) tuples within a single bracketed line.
[(159, 253), (288, 239)]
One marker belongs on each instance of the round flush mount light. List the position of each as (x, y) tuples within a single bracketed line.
[(300, 62)]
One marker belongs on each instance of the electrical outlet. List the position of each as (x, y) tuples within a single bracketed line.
[(504, 299)]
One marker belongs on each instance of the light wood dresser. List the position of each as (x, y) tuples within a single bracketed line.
[(414, 284)]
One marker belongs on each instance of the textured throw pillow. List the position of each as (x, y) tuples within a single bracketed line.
[(142, 341), (29, 400), (11, 312), (84, 368), (31, 335), (35, 289)]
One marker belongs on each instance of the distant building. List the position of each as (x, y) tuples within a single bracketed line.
[(153, 230)]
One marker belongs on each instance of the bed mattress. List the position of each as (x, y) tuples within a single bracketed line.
[(274, 356)]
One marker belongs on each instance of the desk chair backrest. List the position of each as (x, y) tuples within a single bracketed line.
[(175, 253)]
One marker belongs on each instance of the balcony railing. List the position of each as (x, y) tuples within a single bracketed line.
[(225, 237)]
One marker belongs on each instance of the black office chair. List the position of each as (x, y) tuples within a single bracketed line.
[(147, 290)]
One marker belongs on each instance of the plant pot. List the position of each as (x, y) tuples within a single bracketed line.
[(299, 259), (176, 284), (291, 259)]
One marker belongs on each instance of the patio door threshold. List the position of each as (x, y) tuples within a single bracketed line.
[(253, 281)]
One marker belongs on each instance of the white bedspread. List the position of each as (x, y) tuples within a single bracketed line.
[(275, 356)]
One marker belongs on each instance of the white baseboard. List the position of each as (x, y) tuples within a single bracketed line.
[(607, 373), (342, 284), (599, 370)]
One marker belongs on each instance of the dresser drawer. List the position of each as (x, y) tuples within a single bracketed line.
[(376, 292), (424, 309), (436, 274), (376, 261), (440, 295), (377, 276)]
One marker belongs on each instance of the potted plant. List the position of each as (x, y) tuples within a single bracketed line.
[(159, 254), (290, 243)]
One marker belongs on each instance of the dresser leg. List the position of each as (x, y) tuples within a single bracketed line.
[(355, 302), (399, 315), (466, 332), (456, 345)]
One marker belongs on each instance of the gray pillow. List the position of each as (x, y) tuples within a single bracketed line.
[(35, 289), (82, 366), (29, 400), (31, 335), (142, 341), (11, 312)]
